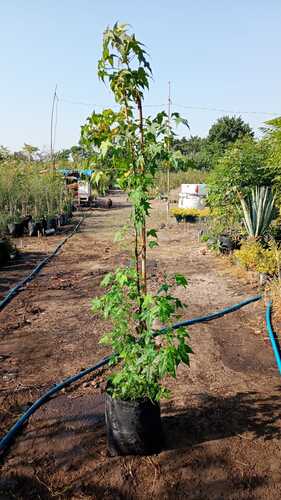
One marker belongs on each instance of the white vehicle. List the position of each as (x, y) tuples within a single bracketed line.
[(84, 191), (192, 196)]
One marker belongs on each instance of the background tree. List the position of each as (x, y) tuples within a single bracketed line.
[(4, 153), (227, 130), (63, 155), (204, 153), (30, 151), (79, 153), (240, 169), (189, 147), (272, 143)]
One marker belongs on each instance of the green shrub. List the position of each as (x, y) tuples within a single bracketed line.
[(30, 189), (253, 256), (190, 213), (203, 212)]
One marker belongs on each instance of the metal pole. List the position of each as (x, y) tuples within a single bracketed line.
[(168, 166), (52, 122)]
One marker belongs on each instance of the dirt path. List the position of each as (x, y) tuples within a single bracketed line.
[(222, 425)]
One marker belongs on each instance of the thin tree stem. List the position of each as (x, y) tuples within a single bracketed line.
[(136, 232), (143, 229)]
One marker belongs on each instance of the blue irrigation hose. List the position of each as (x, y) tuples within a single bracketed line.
[(272, 335), (7, 439), (15, 290)]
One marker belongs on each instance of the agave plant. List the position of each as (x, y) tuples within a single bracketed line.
[(258, 211)]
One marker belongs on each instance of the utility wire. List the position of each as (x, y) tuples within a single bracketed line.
[(199, 108), (227, 110), (81, 103)]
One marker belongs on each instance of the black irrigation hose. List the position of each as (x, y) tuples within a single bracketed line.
[(8, 438), (14, 291), (210, 317)]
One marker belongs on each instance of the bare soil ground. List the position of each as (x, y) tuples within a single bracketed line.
[(31, 252), (222, 425)]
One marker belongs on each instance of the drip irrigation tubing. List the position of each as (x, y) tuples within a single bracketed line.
[(14, 430), (210, 317), (7, 439), (272, 335), (15, 290)]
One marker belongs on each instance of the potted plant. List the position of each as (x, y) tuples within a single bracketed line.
[(136, 386), (188, 214), (15, 226), (178, 214), (35, 227), (6, 250), (134, 147)]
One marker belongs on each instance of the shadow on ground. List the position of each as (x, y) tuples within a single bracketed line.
[(69, 440), (221, 417)]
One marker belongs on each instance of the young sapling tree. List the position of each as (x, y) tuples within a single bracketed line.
[(135, 146)]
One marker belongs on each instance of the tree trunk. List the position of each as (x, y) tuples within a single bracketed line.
[(143, 229)]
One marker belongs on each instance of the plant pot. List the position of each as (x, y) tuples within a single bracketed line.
[(62, 219), (4, 252), (226, 244), (34, 228), (190, 218), (65, 218), (52, 223), (178, 218), (43, 223), (25, 222), (50, 232), (133, 427), (15, 229)]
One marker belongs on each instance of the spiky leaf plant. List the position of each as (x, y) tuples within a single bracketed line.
[(258, 210)]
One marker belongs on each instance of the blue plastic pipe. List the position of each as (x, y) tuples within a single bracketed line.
[(7, 439), (272, 335)]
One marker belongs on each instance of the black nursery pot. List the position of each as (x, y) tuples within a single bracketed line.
[(4, 252), (25, 222), (34, 228), (190, 218), (62, 219), (52, 223), (15, 229), (225, 243), (133, 427)]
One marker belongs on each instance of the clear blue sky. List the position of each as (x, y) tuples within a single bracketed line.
[(218, 54)]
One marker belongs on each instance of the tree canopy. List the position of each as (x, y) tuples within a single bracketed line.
[(242, 167), (228, 129)]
